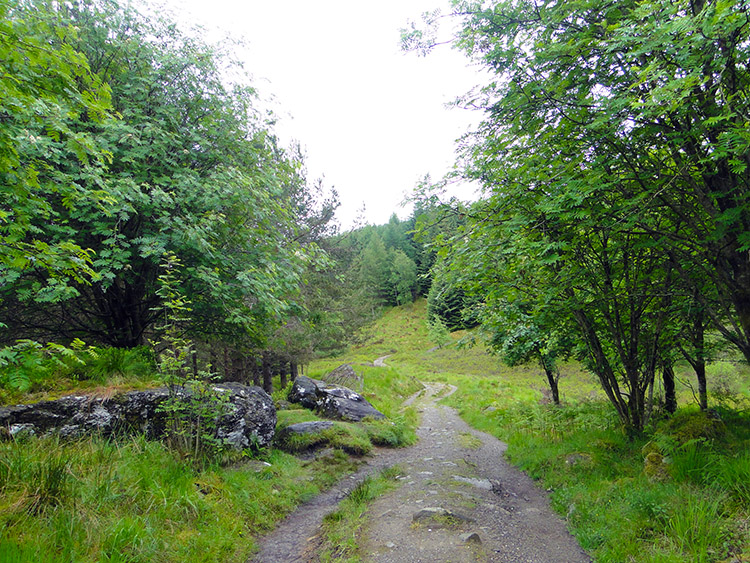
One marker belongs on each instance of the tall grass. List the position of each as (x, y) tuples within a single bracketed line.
[(137, 501), (134, 500), (341, 527), (693, 512)]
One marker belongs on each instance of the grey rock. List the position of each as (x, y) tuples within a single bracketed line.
[(437, 516), (305, 392), (470, 537), (313, 427), (332, 401), (21, 430), (343, 375), (249, 417), (315, 440), (484, 484)]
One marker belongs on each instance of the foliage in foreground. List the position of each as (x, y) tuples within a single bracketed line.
[(133, 500), (43, 372), (613, 159)]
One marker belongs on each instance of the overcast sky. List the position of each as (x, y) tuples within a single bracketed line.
[(371, 119)]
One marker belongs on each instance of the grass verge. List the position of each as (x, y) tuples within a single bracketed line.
[(341, 527), (134, 500), (677, 494)]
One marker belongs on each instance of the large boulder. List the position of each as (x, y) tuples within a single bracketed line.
[(333, 401), (303, 436), (249, 417), (344, 375), (305, 392)]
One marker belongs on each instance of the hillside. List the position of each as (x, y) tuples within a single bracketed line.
[(678, 492)]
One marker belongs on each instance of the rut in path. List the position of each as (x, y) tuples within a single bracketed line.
[(452, 467)]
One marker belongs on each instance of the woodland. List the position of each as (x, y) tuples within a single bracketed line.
[(152, 224), (140, 174)]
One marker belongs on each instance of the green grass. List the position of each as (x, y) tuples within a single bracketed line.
[(342, 526), (43, 375), (134, 500), (351, 438), (698, 511)]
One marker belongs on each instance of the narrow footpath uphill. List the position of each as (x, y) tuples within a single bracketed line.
[(459, 501)]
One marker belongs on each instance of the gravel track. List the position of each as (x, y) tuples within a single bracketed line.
[(452, 467)]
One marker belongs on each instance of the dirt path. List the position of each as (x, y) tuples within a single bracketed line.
[(380, 362), (494, 512)]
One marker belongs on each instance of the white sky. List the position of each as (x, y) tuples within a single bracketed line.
[(371, 119)]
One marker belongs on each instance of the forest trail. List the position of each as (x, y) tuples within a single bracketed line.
[(479, 507)]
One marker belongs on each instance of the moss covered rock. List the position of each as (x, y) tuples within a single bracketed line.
[(656, 467)]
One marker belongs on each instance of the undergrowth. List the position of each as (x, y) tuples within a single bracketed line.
[(692, 507), (134, 500), (37, 373), (678, 493)]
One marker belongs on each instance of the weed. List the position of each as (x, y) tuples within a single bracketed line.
[(30, 369), (732, 474), (469, 441), (393, 433), (49, 483), (128, 364), (696, 528), (135, 500), (363, 492)]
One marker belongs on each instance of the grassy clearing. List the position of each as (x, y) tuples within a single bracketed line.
[(680, 493)]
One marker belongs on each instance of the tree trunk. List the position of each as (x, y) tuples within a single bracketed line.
[(194, 358), (238, 372), (283, 367), (256, 372), (267, 377), (700, 373), (697, 358), (553, 376), (670, 398), (227, 365), (601, 366), (293, 370)]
